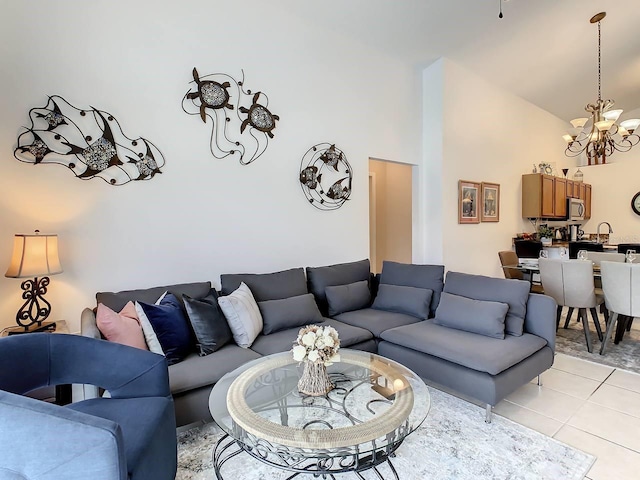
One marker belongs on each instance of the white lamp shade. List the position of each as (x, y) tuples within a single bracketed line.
[(568, 138), (33, 256), (579, 122), (630, 124), (604, 125), (612, 114)]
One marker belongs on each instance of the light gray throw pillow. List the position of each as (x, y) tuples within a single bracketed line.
[(288, 313), (475, 316), (345, 298), (400, 299), (242, 314)]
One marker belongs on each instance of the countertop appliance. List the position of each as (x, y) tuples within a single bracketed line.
[(575, 209)]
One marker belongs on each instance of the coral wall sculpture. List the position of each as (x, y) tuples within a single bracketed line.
[(325, 176), (88, 141), (241, 123)]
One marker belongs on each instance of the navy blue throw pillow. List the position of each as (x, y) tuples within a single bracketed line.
[(171, 327)]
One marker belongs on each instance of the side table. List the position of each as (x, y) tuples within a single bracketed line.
[(62, 394)]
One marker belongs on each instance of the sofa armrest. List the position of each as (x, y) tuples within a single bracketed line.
[(541, 318), (95, 448), (88, 326)]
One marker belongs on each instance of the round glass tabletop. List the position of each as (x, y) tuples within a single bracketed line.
[(375, 404)]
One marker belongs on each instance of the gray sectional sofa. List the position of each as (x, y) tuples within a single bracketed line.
[(400, 322)]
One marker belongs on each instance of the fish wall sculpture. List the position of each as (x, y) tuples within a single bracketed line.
[(90, 142), (325, 176)]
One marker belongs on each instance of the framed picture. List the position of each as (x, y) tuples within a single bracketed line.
[(490, 202), (468, 201)]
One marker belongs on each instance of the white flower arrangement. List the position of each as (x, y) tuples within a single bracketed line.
[(317, 344)]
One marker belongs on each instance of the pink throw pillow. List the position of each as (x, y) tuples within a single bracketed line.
[(121, 327)]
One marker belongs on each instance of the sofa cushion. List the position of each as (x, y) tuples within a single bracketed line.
[(345, 298), (282, 341), (413, 275), (478, 352), (267, 286), (402, 299), (475, 316), (376, 321), (208, 322), (117, 300), (242, 314), (319, 278), (288, 313), (170, 326), (196, 371), (515, 293), (123, 327)]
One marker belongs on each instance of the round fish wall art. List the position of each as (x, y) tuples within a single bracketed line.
[(90, 142), (326, 176), (241, 122)]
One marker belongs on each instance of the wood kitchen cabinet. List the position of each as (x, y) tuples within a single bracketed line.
[(587, 202), (545, 196)]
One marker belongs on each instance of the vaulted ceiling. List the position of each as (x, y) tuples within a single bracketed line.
[(544, 51)]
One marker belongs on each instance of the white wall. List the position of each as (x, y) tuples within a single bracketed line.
[(202, 216), (488, 135)]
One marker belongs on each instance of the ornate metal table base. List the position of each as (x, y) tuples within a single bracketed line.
[(325, 467)]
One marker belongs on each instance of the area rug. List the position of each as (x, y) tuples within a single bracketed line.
[(453, 443), (625, 355)]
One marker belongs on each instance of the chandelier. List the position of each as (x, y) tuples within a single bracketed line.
[(600, 135)]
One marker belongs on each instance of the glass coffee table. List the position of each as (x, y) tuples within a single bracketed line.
[(355, 427)]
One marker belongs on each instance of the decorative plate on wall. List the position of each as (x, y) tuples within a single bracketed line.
[(325, 176), (88, 141)]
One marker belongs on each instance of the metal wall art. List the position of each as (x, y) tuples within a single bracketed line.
[(88, 141), (325, 176), (235, 114)]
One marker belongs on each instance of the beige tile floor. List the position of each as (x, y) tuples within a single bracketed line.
[(592, 407)]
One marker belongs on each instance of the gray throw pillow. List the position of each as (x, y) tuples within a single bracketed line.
[(208, 322), (319, 278), (475, 316), (288, 313), (514, 293), (399, 299), (345, 298)]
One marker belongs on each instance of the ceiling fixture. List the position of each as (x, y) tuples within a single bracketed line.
[(600, 135)]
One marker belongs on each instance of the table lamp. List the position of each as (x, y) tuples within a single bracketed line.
[(33, 256)]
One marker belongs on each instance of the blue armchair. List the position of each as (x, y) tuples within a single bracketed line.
[(129, 436)]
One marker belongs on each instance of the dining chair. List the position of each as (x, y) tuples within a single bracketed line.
[(570, 283), (623, 247), (597, 257), (508, 258), (621, 286), (575, 247)]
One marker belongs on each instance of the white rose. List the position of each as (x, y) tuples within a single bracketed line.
[(299, 353), (313, 355), (309, 339), (330, 331), (328, 341), (320, 343)]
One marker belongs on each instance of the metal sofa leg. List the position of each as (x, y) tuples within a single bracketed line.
[(487, 418), (539, 381)]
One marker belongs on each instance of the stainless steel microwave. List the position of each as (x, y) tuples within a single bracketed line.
[(575, 209)]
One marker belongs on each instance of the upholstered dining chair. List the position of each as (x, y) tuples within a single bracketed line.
[(598, 257), (621, 286), (129, 436), (509, 257), (570, 283)]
